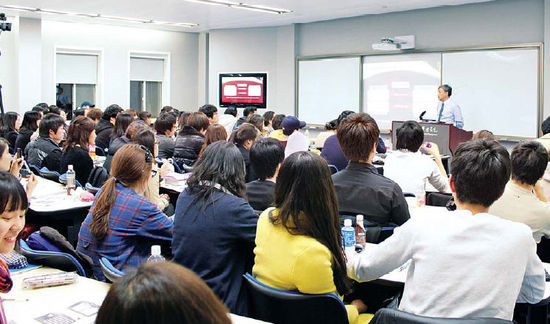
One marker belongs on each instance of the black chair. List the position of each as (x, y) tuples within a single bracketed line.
[(289, 307), (437, 199), (375, 233), (395, 316)]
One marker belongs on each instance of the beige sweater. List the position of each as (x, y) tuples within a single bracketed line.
[(152, 191)]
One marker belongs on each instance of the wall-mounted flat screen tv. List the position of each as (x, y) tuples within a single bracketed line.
[(243, 89)]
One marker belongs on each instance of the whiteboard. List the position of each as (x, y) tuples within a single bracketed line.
[(496, 89), (326, 87)]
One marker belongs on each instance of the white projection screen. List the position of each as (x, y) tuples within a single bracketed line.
[(400, 87), (326, 87)]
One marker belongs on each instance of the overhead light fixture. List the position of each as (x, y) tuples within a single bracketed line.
[(241, 5), (97, 16), (395, 43)]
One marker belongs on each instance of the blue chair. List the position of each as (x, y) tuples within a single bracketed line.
[(390, 315), (57, 260), (50, 175), (176, 167), (34, 169), (109, 271), (91, 188), (290, 307), (100, 151), (333, 168)]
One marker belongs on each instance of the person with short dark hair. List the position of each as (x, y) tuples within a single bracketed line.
[(165, 126), (277, 132), (409, 167), (266, 156), (105, 126), (132, 113), (258, 122), (359, 187), (523, 199), (247, 112), (228, 119), (211, 112), (484, 134), (214, 226), (190, 139), (268, 121), (94, 114), (30, 123), (119, 142), (79, 112), (80, 136), (166, 109), (44, 151), (330, 129), (447, 110), (145, 117), (39, 109), (243, 138), (464, 263), (185, 298)]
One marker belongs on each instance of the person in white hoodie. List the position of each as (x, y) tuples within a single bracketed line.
[(228, 119)]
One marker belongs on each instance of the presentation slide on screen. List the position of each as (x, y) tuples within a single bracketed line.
[(242, 90)]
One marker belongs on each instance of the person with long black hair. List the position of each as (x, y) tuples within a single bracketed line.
[(31, 120), (214, 226), (10, 128), (298, 243)]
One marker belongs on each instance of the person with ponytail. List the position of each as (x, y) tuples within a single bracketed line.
[(122, 224), (298, 242)]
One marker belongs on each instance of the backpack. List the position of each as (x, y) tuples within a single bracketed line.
[(98, 176)]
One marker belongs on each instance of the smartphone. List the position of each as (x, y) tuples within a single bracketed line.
[(18, 154)]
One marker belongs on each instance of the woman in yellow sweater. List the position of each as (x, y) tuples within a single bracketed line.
[(298, 243)]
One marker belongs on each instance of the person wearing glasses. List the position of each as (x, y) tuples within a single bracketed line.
[(122, 224)]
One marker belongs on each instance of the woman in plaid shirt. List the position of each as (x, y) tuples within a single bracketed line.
[(122, 224)]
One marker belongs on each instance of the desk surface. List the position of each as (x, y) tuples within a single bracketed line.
[(50, 196), (62, 303)]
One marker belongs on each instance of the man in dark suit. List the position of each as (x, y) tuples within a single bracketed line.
[(266, 156)]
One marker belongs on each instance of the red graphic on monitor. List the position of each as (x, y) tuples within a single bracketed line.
[(242, 90)]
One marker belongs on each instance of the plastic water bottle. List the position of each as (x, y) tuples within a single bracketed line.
[(71, 184), (360, 231), (155, 254), (91, 151), (348, 236)]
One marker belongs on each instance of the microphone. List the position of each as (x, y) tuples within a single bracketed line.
[(421, 117)]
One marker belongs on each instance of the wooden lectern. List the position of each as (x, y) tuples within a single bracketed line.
[(446, 136)]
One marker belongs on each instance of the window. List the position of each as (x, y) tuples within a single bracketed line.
[(76, 77), (146, 76)]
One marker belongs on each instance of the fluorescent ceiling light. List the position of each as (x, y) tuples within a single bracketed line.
[(20, 8), (128, 19), (167, 23), (240, 5)]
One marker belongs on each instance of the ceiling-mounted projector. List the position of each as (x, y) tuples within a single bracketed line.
[(395, 43)]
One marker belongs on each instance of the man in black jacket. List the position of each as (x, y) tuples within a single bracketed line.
[(45, 151), (266, 156), (105, 126)]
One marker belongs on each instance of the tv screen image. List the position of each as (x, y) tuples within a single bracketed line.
[(243, 89)]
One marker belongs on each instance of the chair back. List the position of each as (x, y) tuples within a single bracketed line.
[(395, 316), (375, 233), (50, 175), (333, 168), (57, 260), (289, 307), (34, 169), (109, 271), (100, 151)]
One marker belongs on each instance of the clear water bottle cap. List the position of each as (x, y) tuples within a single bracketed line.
[(347, 222), (155, 250), (359, 218), (70, 167)]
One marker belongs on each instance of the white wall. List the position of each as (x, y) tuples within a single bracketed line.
[(116, 44), (30, 67), (9, 66), (268, 50)]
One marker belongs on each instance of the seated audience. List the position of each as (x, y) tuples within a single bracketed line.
[(298, 243), (244, 137), (10, 127), (79, 112), (76, 151), (258, 122), (523, 200), (409, 167), (266, 156), (13, 166), (330, 129), (161, 292), (182, 120), (211, 112), (145, 117), (45, 151), (122, 121), (105, 126), (40, 110), (122, 224), (297, 141), (166, 109), (214, 133), (545, 140), (228, 119), (484, 134), (132, 129), (465, 263), (95, 114), (165, 126), (214, 226), (190, 139), (277, 132), (132, 113), (13, 206), (146, 138), (31, 120), (268, 121), (247, 112), (359, 187)]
